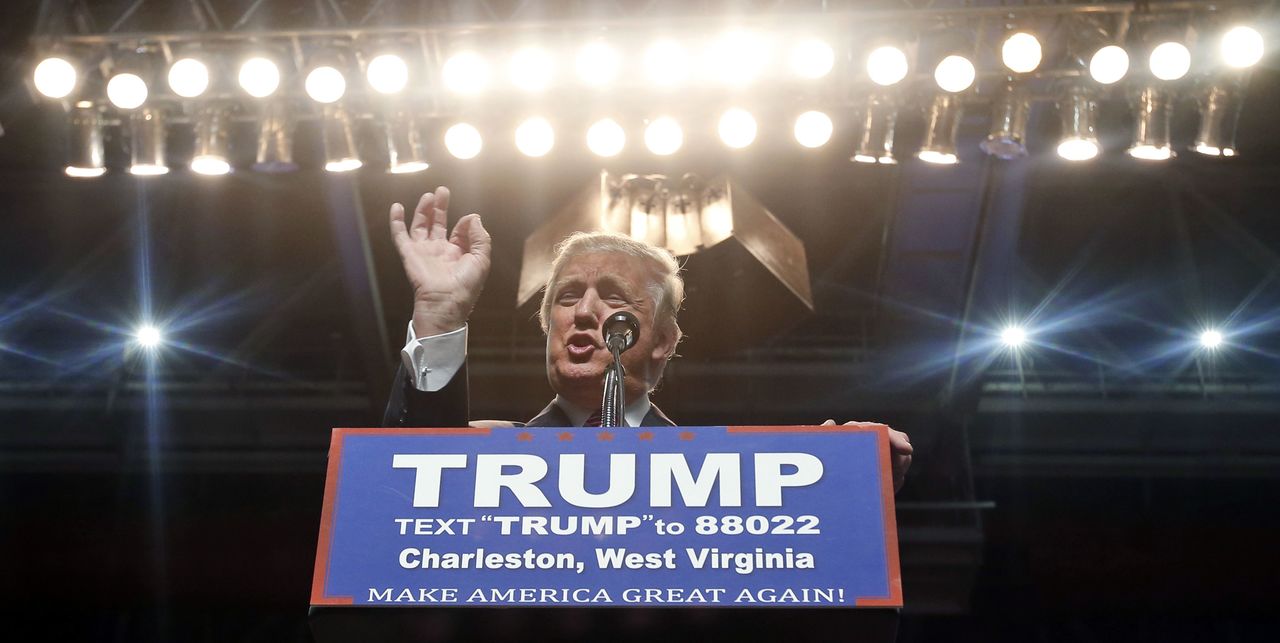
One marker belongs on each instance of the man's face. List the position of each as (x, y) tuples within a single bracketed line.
[(590, 288)]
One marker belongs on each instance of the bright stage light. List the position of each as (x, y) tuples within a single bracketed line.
[(188, 78), (597, 64), (406, 151), (737, 128), (887, 66), (387, 74), (535, 137), (148, 336), (87, 153), (1241, 47), (663, 136), (463, 141), (1109, 64), (1021, 53), (812, 58), (146, 134), (210, 156), (1219, 113), (530, 69), (666, 63), (325, 84), (466, 73), (813, 129), (1013, 336), (955, 74), (1077, 149), (259, 77), (127, 91), (606, 138), (55, 77), (339, 140), (1170, 61), (1211, 339), (736, 58), (941, 122)]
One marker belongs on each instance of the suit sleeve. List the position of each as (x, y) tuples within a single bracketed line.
[(409, 407)]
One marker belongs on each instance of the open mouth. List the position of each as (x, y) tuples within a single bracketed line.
[(581, 346)]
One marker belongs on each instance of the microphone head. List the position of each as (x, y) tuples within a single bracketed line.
[(621, 329)]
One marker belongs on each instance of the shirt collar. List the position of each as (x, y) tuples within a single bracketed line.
[(634, 413)]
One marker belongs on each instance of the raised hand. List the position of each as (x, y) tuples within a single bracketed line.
[(447, 273)]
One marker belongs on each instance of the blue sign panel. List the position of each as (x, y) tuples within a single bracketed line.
[(707, 516)]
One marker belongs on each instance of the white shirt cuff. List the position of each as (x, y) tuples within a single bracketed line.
[(433, 361)]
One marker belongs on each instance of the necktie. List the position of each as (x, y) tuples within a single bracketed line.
[(594, 420)]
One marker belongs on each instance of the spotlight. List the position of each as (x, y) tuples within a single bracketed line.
[(535, 137), (666, 63), (1219, 113), (736, 58), (1008, 136), (463, 141), (406, 152), (339, 142), (148, 336), (86, 142), (1170, 61), (812, 58), (466, 73), (325, 84), (1151, 134), (211, 152), (663, 136), (530, 69), (939, 145), (1080, 138), (1021, 53), (259, 77), (878, 122), (1211, 339), (1241, 47), (597, 64), (813, 129), (737, 128), (146, 127), (887, 66), (606, 138), (1109, 64), (127, 91), (275, 144), (955, 74), (387, 74), (1013, 337), (55, 77), (188, 78)]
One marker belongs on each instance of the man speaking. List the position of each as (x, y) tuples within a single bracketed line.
[(593, 276)]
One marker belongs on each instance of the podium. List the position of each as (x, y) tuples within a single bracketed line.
[(749, 533)]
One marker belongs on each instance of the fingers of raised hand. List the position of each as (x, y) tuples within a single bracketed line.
[(440, 214), (470, 235), (399, 234), (422, 214), (900, 442)]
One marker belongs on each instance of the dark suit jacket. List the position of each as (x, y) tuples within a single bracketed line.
[(450, 406)]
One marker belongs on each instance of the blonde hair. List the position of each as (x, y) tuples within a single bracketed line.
[(667, 285)]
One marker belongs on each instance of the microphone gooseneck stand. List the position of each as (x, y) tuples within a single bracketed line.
[(620, 331)]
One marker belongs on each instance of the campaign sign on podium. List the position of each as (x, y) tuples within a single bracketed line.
[(797, 516)]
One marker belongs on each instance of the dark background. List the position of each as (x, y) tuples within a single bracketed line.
[(1111, 482)]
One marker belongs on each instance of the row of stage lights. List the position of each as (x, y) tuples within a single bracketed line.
[(737, 59)]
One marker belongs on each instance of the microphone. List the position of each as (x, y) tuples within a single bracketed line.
[(621, 330)]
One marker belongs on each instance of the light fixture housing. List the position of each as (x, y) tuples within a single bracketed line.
[(406, 149), (1219, 115), (875, 142), (1079, 113), (87, 159), (1151, 126), (1007, 138), (212, 156), (146, 141), (275, 140), (339, 140), (941, 123)]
